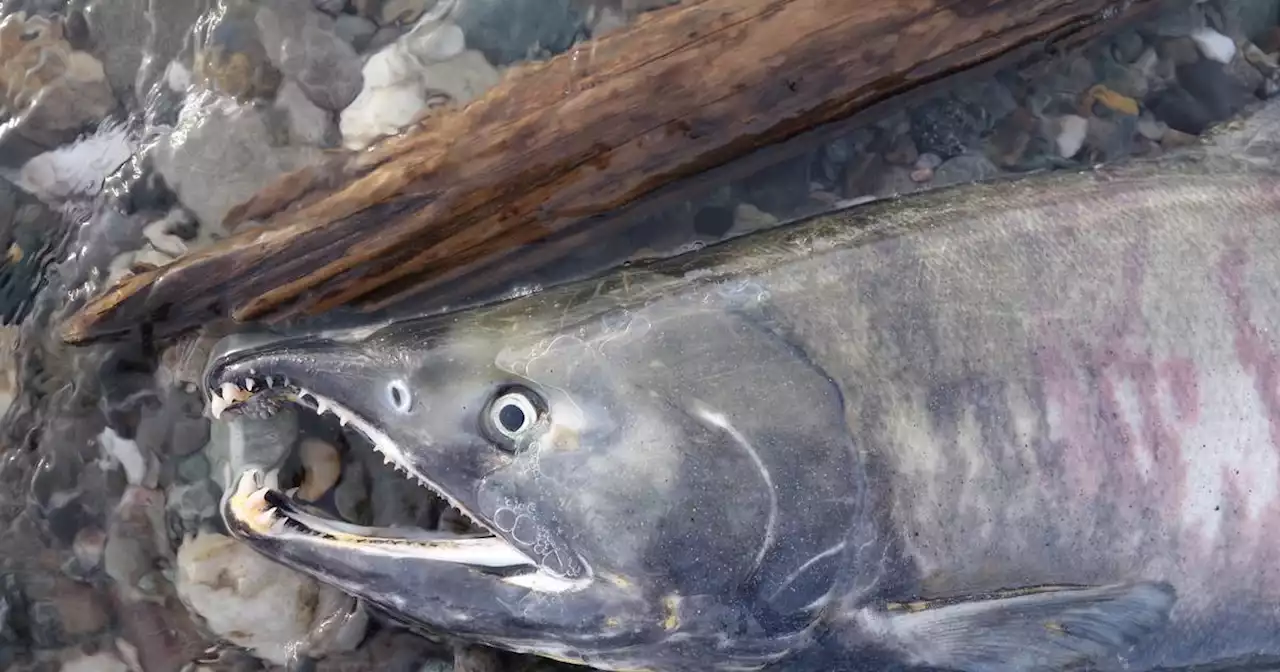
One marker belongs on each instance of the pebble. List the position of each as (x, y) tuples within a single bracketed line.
[(1110, 99), (356, 30), (1152, 128), (137, 541), (1072, 130), (308, 123), (322, 466), (259, 604), (1214, 45), (218, 136), (115, 28), (1127, 46), (506, 31), (194, 469), (138, 466), (88, 547), (230, 58), (1179, 51), (969, 167), (902, 151), (945, 126), (399, 88), (52, 91), (304, 45)]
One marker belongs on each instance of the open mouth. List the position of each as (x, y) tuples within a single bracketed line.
[(258, 506)]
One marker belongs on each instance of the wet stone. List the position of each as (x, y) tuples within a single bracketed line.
[(114, 27), (1127, 47), (231, 59), (356, 30), (945, 126), (1180, 51), (304, 45), (1176, 23), (193, 469), (1209, 83), (506, 31)]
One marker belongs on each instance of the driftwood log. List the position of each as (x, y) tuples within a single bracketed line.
[(557, 143)]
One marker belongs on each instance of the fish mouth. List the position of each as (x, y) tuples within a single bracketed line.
[(256, 506)]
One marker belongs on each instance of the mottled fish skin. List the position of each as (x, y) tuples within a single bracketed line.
[(780, 449)]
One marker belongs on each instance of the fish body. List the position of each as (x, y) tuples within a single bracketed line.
[(1023, 425)]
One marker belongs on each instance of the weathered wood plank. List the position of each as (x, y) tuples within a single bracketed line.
[(684, 90)]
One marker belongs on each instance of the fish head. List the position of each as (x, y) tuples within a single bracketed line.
[(644, 480)]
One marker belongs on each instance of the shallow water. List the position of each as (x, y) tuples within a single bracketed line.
[(112, 555)]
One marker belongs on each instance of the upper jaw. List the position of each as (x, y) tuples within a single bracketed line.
[(255, 509)]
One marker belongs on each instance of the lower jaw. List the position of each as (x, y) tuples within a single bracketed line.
[(256, 508)]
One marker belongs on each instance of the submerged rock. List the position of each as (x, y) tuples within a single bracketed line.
[(49, 91), (221, 153), (428, 67), (304, 45), (506, 31), (30, 236), (260, 605)]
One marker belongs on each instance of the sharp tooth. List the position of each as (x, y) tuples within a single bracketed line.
[(271, 382), (229, 390), (249, 384), (321, 407), (217, 405), (343, 420)]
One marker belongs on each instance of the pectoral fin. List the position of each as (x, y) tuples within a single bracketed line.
[(1031, 629)]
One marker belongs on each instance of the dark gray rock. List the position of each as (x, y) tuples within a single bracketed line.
[(356, 30), (31, 238), (946, 126), (114, 29), (506, 31), (304, 45)]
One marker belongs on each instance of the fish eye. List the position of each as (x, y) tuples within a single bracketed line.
[(399, 396), (511, 414)]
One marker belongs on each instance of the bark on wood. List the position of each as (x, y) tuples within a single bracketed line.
[(684, 90)]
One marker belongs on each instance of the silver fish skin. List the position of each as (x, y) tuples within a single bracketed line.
[(1025, 425)]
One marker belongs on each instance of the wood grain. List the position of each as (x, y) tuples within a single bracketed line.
[(682, 91)]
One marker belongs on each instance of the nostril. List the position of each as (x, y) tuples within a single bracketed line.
[(399, 396)]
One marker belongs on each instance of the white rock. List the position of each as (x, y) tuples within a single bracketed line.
[(77, 168), (378, 112), (126, 453), (99, 662), (1214, 45), (177, 76), (245, 598), (404, 77), (158, 233), (1071, 134)]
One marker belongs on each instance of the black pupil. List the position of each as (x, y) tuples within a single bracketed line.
[(511, 417), (395, 397)]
